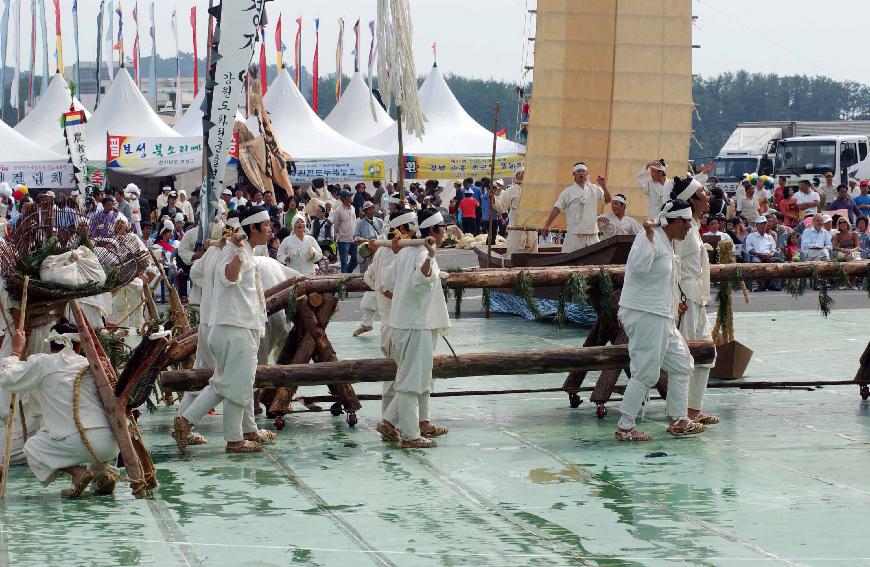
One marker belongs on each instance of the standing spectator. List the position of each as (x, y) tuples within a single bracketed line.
[(863, 199), (238, 200), (171, 209), (779, 192), (844, 201), (468, 209), (368, 227), (748, 205), (184, 205), (487, 212), (827, 191), (163, 197), (344, 224), (718, 202), (806, 200), (360, 197), (103, 222), (788, 207)]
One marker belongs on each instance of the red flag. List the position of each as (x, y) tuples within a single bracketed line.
[(502, 133), (263, 79), (195, 58), (314, 71), (279, 45)]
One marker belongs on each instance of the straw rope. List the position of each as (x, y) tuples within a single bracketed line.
[(81, 428)]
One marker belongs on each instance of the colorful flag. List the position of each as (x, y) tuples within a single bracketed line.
[(298, 52), (315, 78), (16, 75), (339, 55), (110, 39), (356, 47), (435, 52), (57, 37), (4, 25), (279, 45), (371, 48), (264, 80), (153, 75), (99, 46), (136, 43), (119, 45), (75, 13), (174, 26), (33, 11), (43, 29), (195, 57), (502, 133)]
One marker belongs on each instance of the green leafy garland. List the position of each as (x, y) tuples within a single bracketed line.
[(605, 285), (290, 310), (341, 286), (524, 287), (793, 287), (826, 303), (573, 291)]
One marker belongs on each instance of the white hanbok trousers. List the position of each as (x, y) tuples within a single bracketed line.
[(47, 456), (695, 326), (204, 359), (413, 350), (575, 242), (369, 305), (127, 302), (654, 344)]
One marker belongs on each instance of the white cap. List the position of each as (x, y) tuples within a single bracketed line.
[(760, 219), (123, 219), (167, 225), (179, 217), (49, 194), (367, 205), (499, 182), (132, 188), (853, 180), (226, 192), (5, 190), (167, 188), (827, 218)]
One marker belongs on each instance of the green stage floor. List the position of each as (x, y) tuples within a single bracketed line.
[(520, 479)]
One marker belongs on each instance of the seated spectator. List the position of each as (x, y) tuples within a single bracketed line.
[(761, 248), (816, 241), (791, 251)]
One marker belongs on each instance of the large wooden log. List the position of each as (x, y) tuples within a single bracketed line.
[(478, 364)]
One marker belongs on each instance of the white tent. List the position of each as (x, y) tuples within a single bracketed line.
[(300, 132), (191, 123), (24, 161), (42, 124), (352, 116), (450, 131)]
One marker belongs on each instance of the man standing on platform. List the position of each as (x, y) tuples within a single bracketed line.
[(647, 309), (616, 222), (653, 182), (579, 202)]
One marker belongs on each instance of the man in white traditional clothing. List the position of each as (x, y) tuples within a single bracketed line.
[(694, 283), (238, 323), (128, 306), (616, 222), (132, 193), (647, 309), (75, 431), (508, 201), (579, 202), (653, 182), (417, 318), (163, 198)]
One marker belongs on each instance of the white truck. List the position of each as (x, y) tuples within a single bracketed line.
[(743, 153)]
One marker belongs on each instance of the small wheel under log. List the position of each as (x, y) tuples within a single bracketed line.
[(279, 422), (574, 399), (865, 391), (600, 411), (336, 409), (351, 419)]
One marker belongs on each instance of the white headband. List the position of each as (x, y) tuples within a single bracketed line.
[(233, 222), (619, 199), (580, 167), (690, 190), (393, 200), (432, 221), (66, 339), (256, 218), (407, 218), (667, 213)]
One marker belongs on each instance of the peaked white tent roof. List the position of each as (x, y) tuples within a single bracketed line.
[(18, 149), (122, 111), (450, 131), (299, 131), (191, 123), (42, 124), (352, 116)]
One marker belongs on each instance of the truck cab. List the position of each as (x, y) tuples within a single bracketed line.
[(809, 157), (730, 169)]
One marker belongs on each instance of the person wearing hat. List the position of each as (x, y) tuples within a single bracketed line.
[(344, 224), (63, 444), (226, 200), (131, 195), (128, 309), (863, 199), (579, 202), (468, 210), (694, 284), (300, 251), (508, 201), (171, 209), (648, 307), (368, 229), (616, 222), (760, 247), (163, 197), (185, 205)]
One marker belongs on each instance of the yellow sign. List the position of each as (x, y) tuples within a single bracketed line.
[(431, 167)]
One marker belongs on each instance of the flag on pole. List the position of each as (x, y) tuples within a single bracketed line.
[(57, 37), (195, 57), (356, 47), (315, 78), (43, 29), (502, 133), (264, 80), (279, 44), (99, 46), (136, 43), (32, 51), (75, 13), (110, 39), (119, 45), (174, 26), (435, 52), (298, 52), (16, 52), (339, 55), (372, 46), (4, 25), (153, 75)]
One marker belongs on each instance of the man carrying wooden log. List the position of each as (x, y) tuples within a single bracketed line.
[(694, 282), (418, 316), (579, 202), (647, 308), (75, 430), (238, 323)]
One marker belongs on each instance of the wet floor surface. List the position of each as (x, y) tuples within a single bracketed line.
[(519, 480)]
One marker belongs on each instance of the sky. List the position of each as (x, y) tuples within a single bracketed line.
[(485, 38)]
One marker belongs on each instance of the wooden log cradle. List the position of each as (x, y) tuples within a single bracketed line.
[(477, 364)]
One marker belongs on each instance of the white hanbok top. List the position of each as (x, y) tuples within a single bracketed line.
[(418, 301), (658, 193), (53, 376), (694, 265), (375, 278), (272, 273), (580, 205), (240, 303), (651, 272), (202, 278), (625, 226), (300, 255)]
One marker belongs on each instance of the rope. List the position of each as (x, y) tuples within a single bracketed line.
[(148, 475), (81, 428)]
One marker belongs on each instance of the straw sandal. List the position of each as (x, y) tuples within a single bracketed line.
[(705, 419), (690, 428), (418, 443), (262, 436), (77, 489), (631, 435), (434, 431), (104, 482), (362, 329), (193, 439), (245, 447), (388, 433), (182, 432)]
